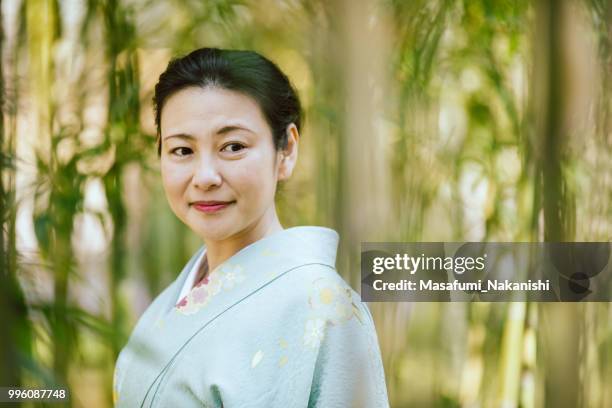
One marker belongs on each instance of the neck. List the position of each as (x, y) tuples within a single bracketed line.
[(218, 252)]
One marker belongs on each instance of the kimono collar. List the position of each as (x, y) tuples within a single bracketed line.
[(318, 244), (314, 244)]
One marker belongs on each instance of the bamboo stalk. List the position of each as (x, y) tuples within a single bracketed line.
[(511, 353), (121, 129), (15, 344), (561, 332), (41, 22)]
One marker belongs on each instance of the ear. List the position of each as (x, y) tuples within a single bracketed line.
[(289, 155)]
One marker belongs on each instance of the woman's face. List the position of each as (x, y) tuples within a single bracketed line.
[(218, 162)]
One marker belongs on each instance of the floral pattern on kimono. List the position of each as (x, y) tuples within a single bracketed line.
[(226, 277)]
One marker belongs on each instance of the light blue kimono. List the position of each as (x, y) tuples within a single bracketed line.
[(275, 326)]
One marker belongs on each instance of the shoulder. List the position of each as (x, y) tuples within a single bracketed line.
[(320, 292), (302, 280), (168, 297), (156, 308)]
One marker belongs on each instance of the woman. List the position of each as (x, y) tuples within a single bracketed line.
[(258, 317)]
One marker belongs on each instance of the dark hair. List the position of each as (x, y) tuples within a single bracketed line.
[(243, 71)]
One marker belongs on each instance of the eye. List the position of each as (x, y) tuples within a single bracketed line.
[(181, 151), (233, 147)]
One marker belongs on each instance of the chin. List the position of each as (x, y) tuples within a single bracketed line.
[(214, 232)]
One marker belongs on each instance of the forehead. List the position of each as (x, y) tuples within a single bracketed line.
[(196, 110)]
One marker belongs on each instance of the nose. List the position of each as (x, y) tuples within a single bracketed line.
[(206, 175)]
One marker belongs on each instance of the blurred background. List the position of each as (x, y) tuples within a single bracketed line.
[(426, 120)]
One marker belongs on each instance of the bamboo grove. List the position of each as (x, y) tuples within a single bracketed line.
[(444, 120)]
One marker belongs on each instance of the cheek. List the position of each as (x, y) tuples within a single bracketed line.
[(256, 179), (174, 178)]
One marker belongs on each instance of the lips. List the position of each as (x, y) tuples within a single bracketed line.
[(211, 206)]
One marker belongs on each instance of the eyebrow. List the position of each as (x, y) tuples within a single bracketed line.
[(220, 132)]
